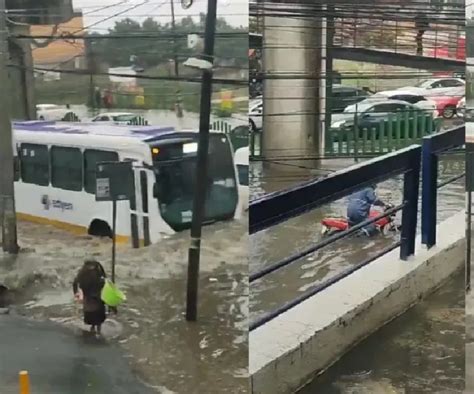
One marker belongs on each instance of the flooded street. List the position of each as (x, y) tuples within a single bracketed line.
[(165, 351), (421, 351), (271, 245)]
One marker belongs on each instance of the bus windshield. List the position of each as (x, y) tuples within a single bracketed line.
[(174, 165)]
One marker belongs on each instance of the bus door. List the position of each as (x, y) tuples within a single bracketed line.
[(140, 209)]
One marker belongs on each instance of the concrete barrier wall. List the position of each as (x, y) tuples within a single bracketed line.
[(290, 350)]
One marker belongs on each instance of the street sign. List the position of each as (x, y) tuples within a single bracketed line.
[(114, 181), (103, 189)]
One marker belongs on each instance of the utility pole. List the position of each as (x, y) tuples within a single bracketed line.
[(202, 164), (179, 108), (7, 190)]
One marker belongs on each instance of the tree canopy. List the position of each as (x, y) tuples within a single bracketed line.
[(153, 50)]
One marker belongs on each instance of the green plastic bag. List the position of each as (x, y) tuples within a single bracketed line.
[(111, 295)]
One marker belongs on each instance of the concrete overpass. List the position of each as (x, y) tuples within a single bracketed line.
[(386, 57)]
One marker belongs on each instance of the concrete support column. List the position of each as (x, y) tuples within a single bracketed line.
[(291, 112)]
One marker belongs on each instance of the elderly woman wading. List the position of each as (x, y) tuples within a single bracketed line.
[(90, 279)]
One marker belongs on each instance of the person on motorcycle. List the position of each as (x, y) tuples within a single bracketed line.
[(359, 206)]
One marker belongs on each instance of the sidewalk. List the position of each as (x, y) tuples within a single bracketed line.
[(60, 361)]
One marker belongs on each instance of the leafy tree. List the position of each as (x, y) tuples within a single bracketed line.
[(155, 50)]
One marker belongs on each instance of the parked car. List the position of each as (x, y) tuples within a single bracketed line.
[(427, 105), (467, 111), (241, 159), (116, 117), (52, 112), (371, 112), (435, 86), (447, 105), (342, 96), (256, 114)]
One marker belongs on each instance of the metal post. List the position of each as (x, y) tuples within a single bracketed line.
[(202, 163), (410, 210), (468, 239), (429, 194), (179, 109), (469, 187), (7, 190), (114, 232), (329, 77)]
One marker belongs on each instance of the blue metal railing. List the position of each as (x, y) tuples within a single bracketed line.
[(276, 208), (433, 147)]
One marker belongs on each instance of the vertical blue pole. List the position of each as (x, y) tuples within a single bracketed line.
[(410, 210), (429, 193)]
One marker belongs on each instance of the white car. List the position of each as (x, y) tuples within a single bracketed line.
[(256, 113), (241, 159), (115, 117), (436, 86), (51, 112), (418, 100)]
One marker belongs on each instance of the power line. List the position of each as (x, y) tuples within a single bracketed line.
[(222, 81), (157, 35)]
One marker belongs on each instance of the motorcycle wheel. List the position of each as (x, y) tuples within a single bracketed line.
[(385, 229)]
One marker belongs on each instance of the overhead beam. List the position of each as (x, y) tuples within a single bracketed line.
[(398, 59)]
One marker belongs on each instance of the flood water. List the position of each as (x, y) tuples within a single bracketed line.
[(421, 351), (271, 245), (168, 353)]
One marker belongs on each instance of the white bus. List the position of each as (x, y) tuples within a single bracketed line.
[(56, 178), (242, 163)]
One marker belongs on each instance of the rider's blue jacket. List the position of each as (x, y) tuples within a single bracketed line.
[(360, 203)]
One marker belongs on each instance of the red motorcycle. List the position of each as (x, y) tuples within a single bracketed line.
[(384, 225)]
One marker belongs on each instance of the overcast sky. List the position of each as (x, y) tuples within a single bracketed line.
[(234, 11)]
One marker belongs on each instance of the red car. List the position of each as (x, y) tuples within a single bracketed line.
[(446, 105)]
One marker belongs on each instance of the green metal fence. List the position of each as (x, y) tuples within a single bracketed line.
[(71, 117), (138, 121), (395, 133), (238, 135)]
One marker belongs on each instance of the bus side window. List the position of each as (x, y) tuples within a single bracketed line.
[(91, 158), (35, 164), (243, 172), (66, 168)]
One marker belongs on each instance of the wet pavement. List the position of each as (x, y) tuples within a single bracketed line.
[(421, 351), (166, 352), (61, 361)]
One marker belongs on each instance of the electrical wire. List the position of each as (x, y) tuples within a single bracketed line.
[(223, 81)]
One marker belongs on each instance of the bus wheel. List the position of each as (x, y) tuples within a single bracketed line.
[(100, 228)]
